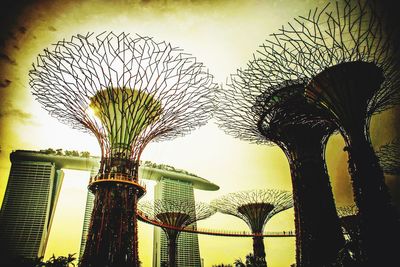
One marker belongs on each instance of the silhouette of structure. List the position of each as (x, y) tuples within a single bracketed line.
[(352, 72), (350, 222), (389, 157), (126, 92), (255, 207), (178, 213), (265, 104), (30, 201)]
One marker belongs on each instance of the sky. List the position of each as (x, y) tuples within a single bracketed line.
[(223, 35)]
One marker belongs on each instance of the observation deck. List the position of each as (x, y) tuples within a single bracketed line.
[(117, 178)]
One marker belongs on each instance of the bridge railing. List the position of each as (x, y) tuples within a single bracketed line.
[(218, 232), (116, 177)]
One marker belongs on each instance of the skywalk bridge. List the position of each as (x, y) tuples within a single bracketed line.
[(216, 232)]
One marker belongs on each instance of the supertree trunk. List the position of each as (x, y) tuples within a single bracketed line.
[(378, 219), (351, 225), (172, 245), (318, 233), (346, 90), (111, 239), (259, 251), (255, 207)]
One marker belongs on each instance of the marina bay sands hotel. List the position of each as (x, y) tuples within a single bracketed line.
[(34, 186)]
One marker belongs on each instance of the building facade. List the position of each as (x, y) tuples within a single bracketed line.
[(87, 216), (188, 253), (30, 200), (28, 208)]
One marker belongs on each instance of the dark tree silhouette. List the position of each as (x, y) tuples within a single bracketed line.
[(352, 72), (255, 207), (53, 261), (127, 92), (175, 213), (389, 157), (262, 105)]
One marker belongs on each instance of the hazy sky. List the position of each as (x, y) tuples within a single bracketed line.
[(221, 34)]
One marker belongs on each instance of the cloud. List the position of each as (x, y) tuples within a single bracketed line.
[(15, 113), (7, 59), (22, 29), (4, 83)]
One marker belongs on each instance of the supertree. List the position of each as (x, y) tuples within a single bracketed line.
[(127, 92), (389, 157), (176, 213), (265, 104), (350, 222), (352, 70), (255, 207)]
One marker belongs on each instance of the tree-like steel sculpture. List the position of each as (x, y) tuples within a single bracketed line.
[(176, 213), (255, 207), (266, 105), (350, 222), (389, 157), (353, 73), (126, 92)]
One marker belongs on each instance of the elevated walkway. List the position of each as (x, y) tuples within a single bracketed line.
[(216, 232)]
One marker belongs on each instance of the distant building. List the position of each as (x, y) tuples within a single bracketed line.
[(88, 214), (28, 208), (188, 253), (172, 185), (30, 200)]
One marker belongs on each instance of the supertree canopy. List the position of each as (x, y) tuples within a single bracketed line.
[(265, 104), (127, 92), (352, 71), (255, 207), (175, 213), (389, 157)]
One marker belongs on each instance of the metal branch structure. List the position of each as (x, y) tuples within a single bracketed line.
[(265, 105), (389, 157), (126, 91), (176, 213), (352, 70), (256, 208)]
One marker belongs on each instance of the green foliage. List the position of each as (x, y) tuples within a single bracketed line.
[(61, 261), (85, 154), (166, 167), (251, 261), (67, 153)]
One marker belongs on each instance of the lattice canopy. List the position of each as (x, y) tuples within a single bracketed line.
[(125, 90)]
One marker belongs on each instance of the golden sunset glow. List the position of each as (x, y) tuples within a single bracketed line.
[(223, 35)]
